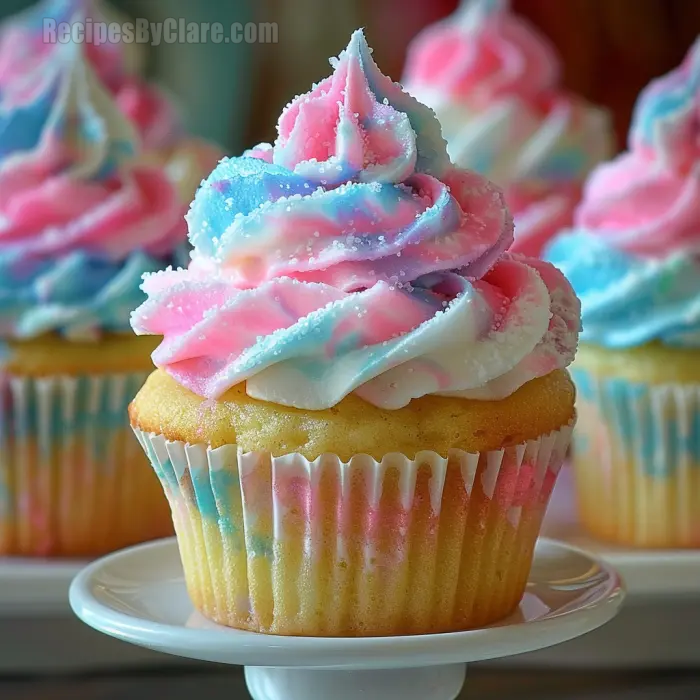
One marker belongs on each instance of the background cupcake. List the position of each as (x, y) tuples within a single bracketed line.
[(634, 259), (362, 404), (494, 83), (80, 225), (118, 66)]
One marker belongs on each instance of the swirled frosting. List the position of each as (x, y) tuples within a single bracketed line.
[(634, 253), (494, 83), (79, 224), (23, 49), (352, 255), (163, 140)]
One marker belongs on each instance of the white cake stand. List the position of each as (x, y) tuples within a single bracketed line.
[(138, 595)]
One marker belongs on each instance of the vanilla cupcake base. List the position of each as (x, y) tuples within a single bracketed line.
[(354, 426), (285, 545)]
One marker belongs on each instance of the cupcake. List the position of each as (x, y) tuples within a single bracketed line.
[(634, 259), (361, 402), (80, 223), (163, 139), (494, 83)]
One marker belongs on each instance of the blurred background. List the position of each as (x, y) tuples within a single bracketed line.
[(232, 94), (610, 50)]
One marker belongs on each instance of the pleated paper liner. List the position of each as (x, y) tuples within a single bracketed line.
[(637, 461), (73, 481), (402, 546)]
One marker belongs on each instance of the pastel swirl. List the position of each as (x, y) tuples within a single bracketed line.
[(665, 125), (78, 222), (634, 254), (494, 83), (647, 201), (24, 50), (151, 111), (482, 53), (351, 256), (629, 300)]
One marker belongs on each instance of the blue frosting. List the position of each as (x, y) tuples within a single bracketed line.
[(60, 10), (666, 104), (629, 300), (74, 289), (73, 295)]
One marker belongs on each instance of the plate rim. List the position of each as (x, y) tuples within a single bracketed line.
[(260, 649), (639, 567)]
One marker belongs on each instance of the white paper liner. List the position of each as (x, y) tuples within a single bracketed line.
[(637, 461), (72, 478), (325, 547)]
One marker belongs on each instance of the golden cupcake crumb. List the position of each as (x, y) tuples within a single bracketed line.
[(50, 355), (354, 426)]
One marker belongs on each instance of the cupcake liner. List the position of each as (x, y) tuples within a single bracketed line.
[(73, 481), (637, 460), (285, 545)]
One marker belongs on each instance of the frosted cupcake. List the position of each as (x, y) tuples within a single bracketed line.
[(634, 259), (164, 142), (361, 404), (79, 225), (494, 83)]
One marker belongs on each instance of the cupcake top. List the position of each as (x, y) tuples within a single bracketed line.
[(494, 82), (352, 256), (79, 222), (634, 252), (23, 49)]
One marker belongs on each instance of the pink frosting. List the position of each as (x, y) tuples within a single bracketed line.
[(639, 206), (23, 51), (506, 57), (540, 215), (150, 110), (72, 191), (494, 82), (52, 214), (647, 201)]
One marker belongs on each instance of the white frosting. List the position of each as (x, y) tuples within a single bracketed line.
[(509, 142)]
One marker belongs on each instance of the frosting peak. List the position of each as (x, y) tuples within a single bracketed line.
[(356, 136), (24, 50), (494, 82), (23, 45), (358, 124), (647, 201), (666, 120), (482, 53), (58, 170), (351, 255), (340, 198), (79, 223), (634, 252)]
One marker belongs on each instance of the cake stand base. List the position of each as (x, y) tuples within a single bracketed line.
[(434, 682)]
